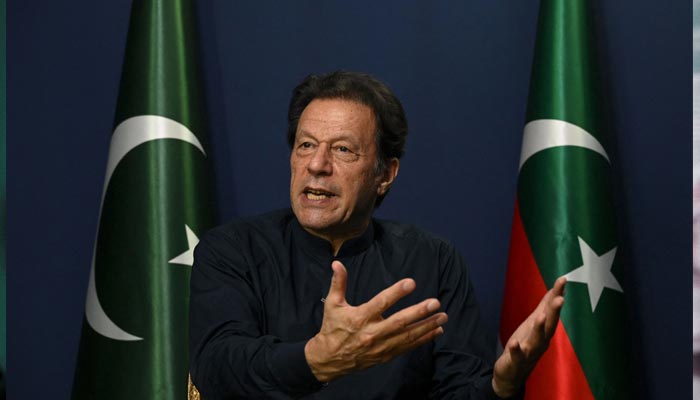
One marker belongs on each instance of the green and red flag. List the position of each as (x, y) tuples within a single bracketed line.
[(156, 201), (564, 220)]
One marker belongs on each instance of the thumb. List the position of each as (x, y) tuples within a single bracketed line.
[(336, 293), (515, 351)]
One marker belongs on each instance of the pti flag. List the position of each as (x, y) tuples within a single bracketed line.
[(564, 220), (155, 203)]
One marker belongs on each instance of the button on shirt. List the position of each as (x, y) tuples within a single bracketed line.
[(257, 291)]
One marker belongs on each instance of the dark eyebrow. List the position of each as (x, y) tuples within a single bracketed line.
[(349, 137), (302, 132)]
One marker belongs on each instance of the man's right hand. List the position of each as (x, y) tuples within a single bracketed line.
[(354, 338)]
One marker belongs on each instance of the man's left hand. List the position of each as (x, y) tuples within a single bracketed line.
[(528, 343)]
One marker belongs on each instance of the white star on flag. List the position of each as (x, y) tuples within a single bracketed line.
[(595, 272), (187, 258)]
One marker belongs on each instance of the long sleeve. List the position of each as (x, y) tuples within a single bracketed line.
[(257, 292), (230, 355), (464, 354)]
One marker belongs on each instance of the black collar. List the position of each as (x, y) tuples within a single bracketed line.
[(317, 246)]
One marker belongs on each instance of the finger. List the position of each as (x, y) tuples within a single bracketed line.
[(553, 305), (420, 341), (336, 293), (389, 296), (537, 338), (415, 331), (559, 286), (552, 312), (556, 291), (409, 315)]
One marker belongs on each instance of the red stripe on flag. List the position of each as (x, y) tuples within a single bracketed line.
[(558, 375)]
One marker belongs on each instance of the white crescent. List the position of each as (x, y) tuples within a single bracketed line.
[(542, 134), (127, 135)]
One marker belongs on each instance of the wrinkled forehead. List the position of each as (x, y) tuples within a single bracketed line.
[(338, 117)]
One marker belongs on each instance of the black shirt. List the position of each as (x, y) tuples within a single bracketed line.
[(257, 292)]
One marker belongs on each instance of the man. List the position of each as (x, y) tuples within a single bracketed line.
[(325, 302)]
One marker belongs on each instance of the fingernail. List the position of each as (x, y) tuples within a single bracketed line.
[(442, 319), (433, 305), (406, 285)]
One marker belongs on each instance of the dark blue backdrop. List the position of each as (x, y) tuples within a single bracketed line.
[(461, 69)]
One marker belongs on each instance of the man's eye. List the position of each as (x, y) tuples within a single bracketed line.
[(344, 153), (305, 145)]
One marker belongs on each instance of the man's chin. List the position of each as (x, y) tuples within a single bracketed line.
[(315, 224)]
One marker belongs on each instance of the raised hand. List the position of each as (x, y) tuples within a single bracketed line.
[(354, 338), (528, 343)]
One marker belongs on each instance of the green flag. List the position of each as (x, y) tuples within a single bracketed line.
[(564, 220), (155, 203)]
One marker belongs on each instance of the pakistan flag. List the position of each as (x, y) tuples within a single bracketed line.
[(564, 223), (155, 203)]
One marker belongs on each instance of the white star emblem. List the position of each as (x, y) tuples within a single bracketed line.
[(187, 258), (595, 272)]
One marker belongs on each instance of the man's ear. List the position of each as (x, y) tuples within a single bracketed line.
[(388, 176)]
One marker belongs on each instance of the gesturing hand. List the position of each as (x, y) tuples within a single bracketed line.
[(355, 338), (528, 343)]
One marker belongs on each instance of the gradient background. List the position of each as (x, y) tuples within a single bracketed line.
[(462, 71)]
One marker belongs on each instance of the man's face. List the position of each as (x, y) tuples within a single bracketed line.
[(334, 180)]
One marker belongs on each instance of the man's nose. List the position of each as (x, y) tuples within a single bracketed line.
[(321, 162)]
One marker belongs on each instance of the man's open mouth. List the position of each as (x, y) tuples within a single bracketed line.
[(317, 194)]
